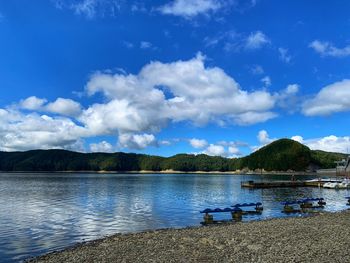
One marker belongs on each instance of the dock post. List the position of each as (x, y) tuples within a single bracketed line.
[(237, 215), (321, 203), (259, 208), (306, 205), (208, 219), (288, 209)]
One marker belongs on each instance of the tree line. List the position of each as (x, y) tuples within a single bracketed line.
[(281, 155)]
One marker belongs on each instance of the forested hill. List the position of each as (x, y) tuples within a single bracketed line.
[(281, 155)]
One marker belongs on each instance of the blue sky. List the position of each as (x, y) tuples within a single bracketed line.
[(174, 76)]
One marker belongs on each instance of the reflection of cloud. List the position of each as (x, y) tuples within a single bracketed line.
[(48, 212)]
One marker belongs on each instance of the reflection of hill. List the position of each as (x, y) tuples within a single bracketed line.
[(281, 155)]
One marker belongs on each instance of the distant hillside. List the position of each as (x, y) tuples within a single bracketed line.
[(280, 155)]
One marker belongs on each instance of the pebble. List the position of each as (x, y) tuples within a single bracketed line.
[(323, 238)]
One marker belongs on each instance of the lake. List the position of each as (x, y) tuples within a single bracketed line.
[(45, 212)]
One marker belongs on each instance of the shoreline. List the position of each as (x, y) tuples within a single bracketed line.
[(176, 172), (317, 238)]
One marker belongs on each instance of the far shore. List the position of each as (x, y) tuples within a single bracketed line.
[(186, 172), (320, 238)]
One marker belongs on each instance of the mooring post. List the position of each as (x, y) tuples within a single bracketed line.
[(208, 219)]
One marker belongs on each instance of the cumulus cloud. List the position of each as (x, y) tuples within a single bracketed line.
[(327, 49), (137, 141), (32, 103), (264, 138), (256, 40), (63, 106), (330, 143), (288, 99), (291, 89), (136, 106), (101, 147), (215, 150), (177, 91), (32, 131), (233, 150), (331, 99), (198, 143), (249, 118), (298, 138), (60, 106), (221, 148), (190, 8)]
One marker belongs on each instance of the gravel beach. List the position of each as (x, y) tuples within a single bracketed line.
[(321, 238)]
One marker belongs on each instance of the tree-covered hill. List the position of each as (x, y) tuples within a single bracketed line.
[(280, 155)]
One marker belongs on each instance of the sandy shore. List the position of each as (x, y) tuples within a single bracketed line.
[(321, 238)]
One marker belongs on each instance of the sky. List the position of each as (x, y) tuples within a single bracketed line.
[(174, 76)]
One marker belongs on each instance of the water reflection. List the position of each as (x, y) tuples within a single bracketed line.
[(45, 212)]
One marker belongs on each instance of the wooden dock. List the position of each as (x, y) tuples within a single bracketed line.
[(279, 184)]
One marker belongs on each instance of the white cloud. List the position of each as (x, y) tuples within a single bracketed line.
[(292, 89), (264, 138), (327, 49), (288, 99), (250, 118), (330, 143), (32, 103), (215, 150), (228, 149), (137, 103), (190, 8), (63, 106), (101, 147), (137, 141), (198, 143), (298, 138), (165, 142), (233, 150), (256, 40), (266, 81), (331, 99), (283, 55), (32, 131), (136, 106)]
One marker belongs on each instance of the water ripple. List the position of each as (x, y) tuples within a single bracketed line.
[(46, 212)]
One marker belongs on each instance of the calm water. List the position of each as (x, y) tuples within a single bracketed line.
[(45, 212)]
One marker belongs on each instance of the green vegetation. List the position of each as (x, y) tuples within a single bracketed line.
[(281, 155)]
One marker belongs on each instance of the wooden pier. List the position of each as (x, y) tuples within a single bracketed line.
[(279, 184)]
